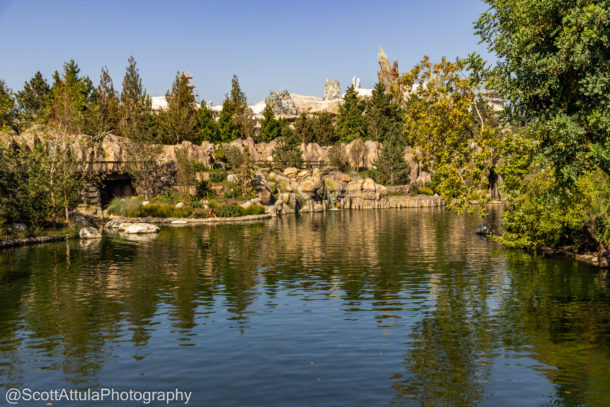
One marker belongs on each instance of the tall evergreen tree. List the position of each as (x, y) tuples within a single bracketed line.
[(33, 97), (206, 125), (226, 124), (324, 129), (303, 128), (179, 122), (351, 123), (135, 111), (7, 107), (142, 153), (392, 169), (382, 114), (106, 115), (271, 128), (242, 114), (70, 100)]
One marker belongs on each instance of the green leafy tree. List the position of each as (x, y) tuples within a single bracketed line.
[(382, 114), (226, 124), (391, 167), (179, 121), (351, 123), (271, 128), (70, 99), (453, 137), (33, 97), (206, 125), (553, 67), (7, 107)]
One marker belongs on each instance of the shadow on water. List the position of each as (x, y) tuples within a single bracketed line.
[(358, 308)]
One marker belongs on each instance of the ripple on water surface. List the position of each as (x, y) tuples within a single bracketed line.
[(348, 308)]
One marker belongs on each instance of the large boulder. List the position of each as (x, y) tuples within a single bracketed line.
[(89, 233), (141, 228), (281, 103), (332, 89)]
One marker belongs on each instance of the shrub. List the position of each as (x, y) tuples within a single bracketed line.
[(426, 191), (229, 211), (204, 190), (218, 175), (200, 213), (235, 157), (122, 206), (253, 210), (337, 157)]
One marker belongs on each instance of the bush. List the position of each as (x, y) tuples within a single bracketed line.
[(229, 211), (217, 175), (122, 206), (204, 190), (426, 191), (253, 210), (337, 157), (235, 157), (200, 213)]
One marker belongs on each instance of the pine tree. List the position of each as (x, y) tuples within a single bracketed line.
[(33, 97), (206, 125), (324, 130), (226, 124), (135, 111), (271, 128), (303, 128), (242, 114), (287, 152), (70, 100), (7, 107), (179, 122), (382, 114), (392, 169), (141, 152), (351, 123), (105, 116)]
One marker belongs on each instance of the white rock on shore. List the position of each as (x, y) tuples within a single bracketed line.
[(141, 228)]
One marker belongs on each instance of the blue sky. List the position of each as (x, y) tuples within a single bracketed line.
[(268, 44)]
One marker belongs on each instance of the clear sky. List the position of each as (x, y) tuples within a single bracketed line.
[(275, 45)]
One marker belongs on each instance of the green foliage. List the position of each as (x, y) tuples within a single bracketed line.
[(425, 191), (204, 190), (207, 126), (303, 129), (553, 67), (351, 123), (180, 120), (383, 115), (242, 114), (226, 124), (70, 98), (185, 171), (391, 167), (337, 157), (235, 157), (7, 107), (217, 175), (105, 109), (287, 152), (136, 119), (33, 98), (253, 210), (228, 211), (271, 128), (454, 133), (316, 128)]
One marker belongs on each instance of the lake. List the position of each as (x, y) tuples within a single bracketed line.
[(347, 308)]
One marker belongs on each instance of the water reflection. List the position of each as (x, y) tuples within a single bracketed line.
[(410, 305)]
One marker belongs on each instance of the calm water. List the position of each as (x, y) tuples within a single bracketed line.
[(364, 308)]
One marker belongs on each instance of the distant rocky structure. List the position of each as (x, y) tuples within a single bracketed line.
[(386, 74), (332, 89), (281, 103)]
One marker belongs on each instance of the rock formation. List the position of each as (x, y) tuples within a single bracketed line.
[(281, 103), (332, 89), (386, 74)]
